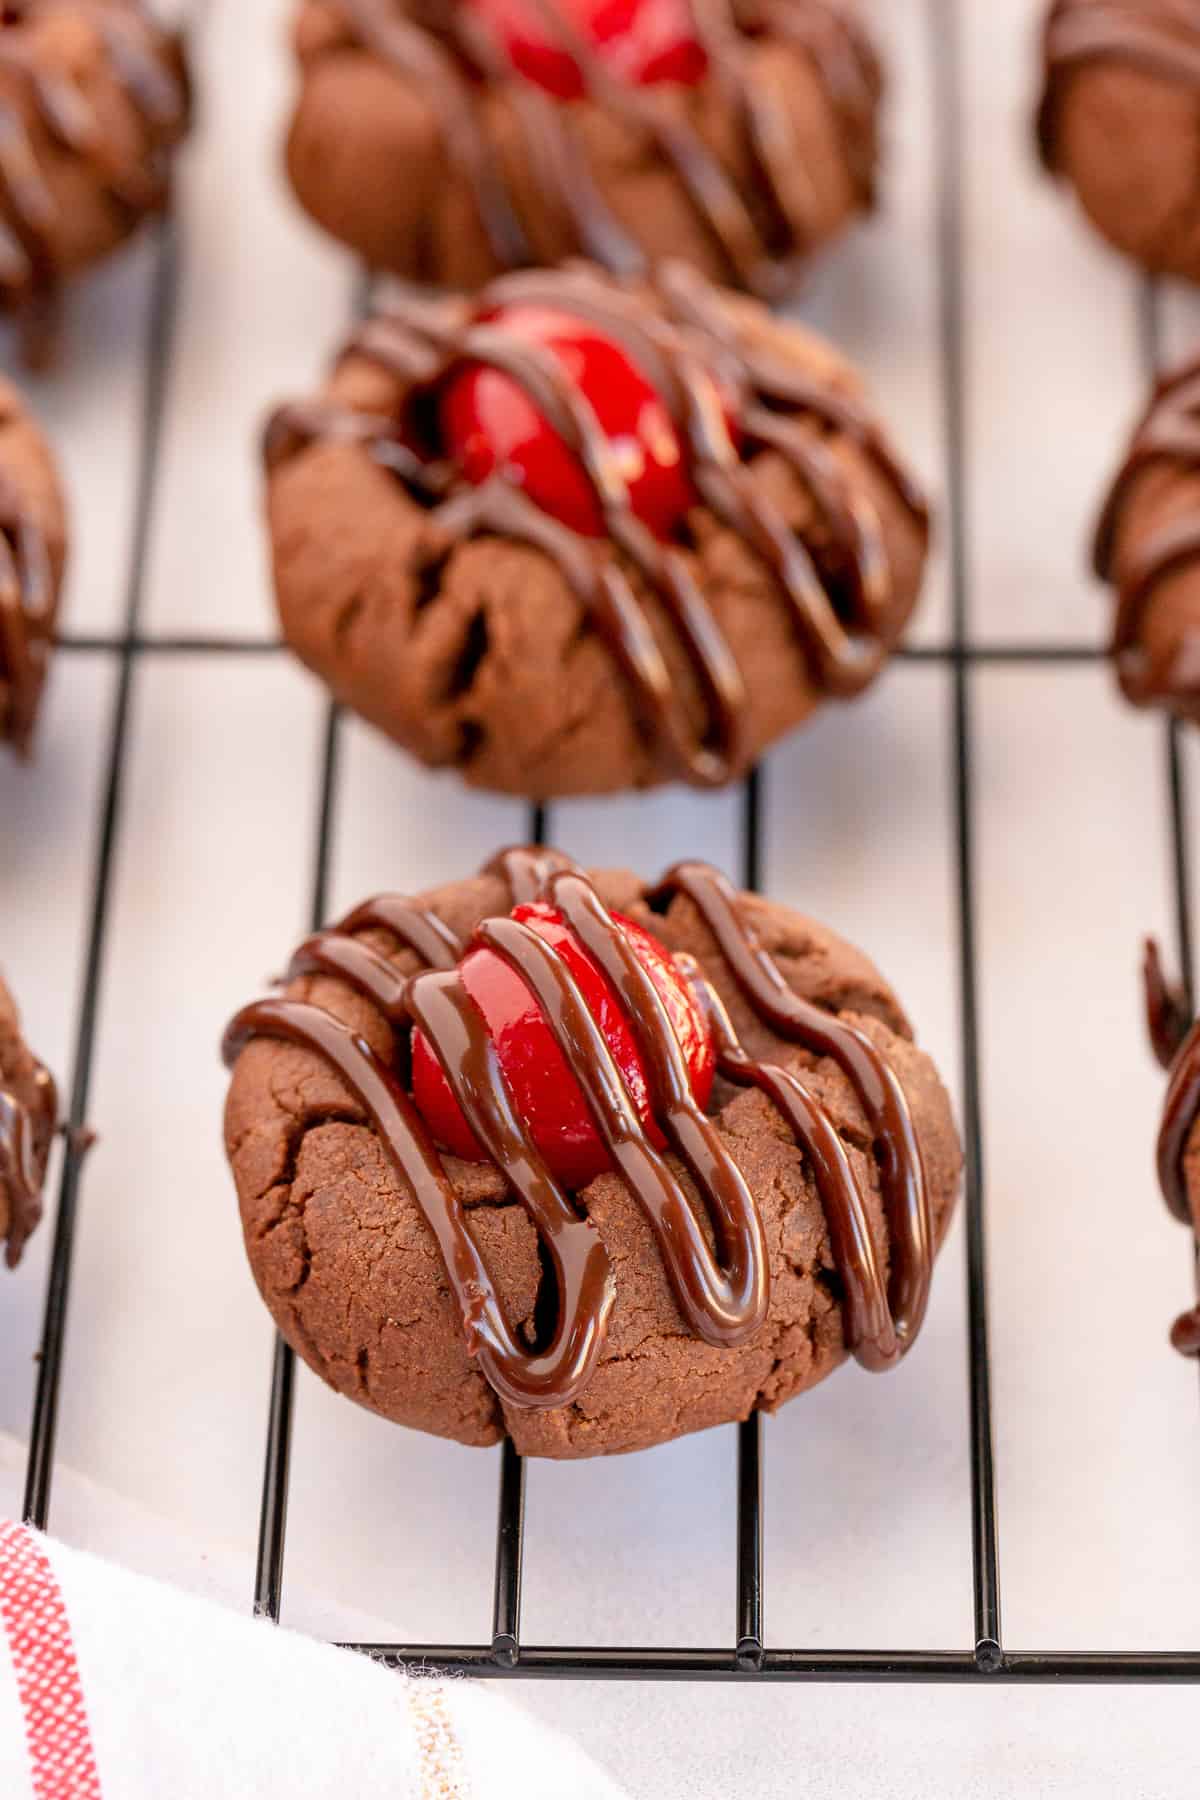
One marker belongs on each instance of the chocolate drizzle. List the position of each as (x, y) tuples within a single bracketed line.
[(762, 236), (1168, 436), (1160, 37), (146, 61), (1168, 1015), (27, 602), (881, 1320), (839, 596), (1176, 1043), (722, 1292), (25, 1133)]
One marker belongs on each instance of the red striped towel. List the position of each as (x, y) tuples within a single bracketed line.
[(113, 1687)]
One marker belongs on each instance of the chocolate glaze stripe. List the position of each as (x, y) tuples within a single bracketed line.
[(1176, 1043), (611, 604), (849, 67), (684, 381), (26, 607), (869, 1327), (859, 574), (585, 219), (714, 198), (902, 1175), (1160, 36), (340, 952), (141, 56), (689, 300), (684, 354), (23, 1139), (417, 928), (780, 192), (551, 146), (441, 1008), (760, 252), (724, 1298), (1168, 1018), (549, 386), (526, 868), (1169, 434), (294, 426), (136, 44), (723, 1304), (583, 1277), (382, 28), (1181, 1110), (525, 1379)]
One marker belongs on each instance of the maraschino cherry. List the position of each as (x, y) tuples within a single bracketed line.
[(543, 1090), (639, 41), (489, 423)]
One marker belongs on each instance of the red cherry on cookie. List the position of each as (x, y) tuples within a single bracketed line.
[(639, 41), (488, 422), (543, 1090)]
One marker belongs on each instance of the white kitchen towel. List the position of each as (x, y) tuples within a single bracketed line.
[(114, 1687)]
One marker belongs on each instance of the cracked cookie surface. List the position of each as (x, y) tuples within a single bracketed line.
[(482, 650), (352, 1274)]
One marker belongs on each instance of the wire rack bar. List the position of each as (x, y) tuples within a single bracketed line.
[(277, 1456), (272, 1524), (200, 644), (946, 58), (43, 1428), (510, 1551), (749, 1651), (277, 1460), (748, 1637), (573, 1663)]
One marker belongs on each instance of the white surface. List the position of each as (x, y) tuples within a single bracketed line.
[(867, 1480)]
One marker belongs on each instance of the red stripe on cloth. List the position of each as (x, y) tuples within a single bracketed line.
[(61, 1758)]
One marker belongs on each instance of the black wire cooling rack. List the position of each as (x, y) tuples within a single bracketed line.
[(984, 1655)]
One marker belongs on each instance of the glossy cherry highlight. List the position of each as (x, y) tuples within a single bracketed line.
[(640, 41), (544, 1092), (489, 423)]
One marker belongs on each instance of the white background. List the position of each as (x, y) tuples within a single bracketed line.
[(168, 1361)]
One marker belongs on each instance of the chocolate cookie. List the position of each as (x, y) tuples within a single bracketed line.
[(451, 142), (1148, 548), (33, 548), (787, 1157), (1119, 119), (577, 536), (93, 99), (28, 1111)]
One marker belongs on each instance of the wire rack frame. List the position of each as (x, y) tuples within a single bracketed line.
[(747, 1656)]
